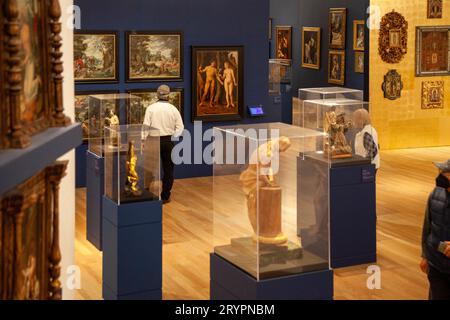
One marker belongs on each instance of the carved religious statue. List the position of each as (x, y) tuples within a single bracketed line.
[(131, 185), (259, 183), (336, 144)]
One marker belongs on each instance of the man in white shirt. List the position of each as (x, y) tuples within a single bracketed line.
[(167, 119)]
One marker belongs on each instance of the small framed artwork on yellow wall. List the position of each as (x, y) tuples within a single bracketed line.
[(359, 62)]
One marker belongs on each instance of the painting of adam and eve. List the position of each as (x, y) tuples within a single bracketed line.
[(217, 93)]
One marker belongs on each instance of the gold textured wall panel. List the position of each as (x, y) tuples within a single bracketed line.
[(402, 123)]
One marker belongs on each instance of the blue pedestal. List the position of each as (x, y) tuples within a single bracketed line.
[(132, 250), (231, 283), (353, 214), (352, 209), (80, 165), (94, 195)]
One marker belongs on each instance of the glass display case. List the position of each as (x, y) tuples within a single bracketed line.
[(345, 122), (132, 163), (323, 93), (270, 199), (110, 110), (330, 93)]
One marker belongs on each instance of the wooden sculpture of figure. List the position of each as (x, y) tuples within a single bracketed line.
[(259, 178), (131, 185), (336, 145)]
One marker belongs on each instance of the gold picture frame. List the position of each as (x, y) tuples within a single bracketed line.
[(311, 47), (359, 35), (283, 42), (432, 95), (336, 67), (31, 98), (359, 62), (393, 37), (337, 24)]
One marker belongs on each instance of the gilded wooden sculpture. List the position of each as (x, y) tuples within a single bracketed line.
[(336, 145), (30, 70), (132, 188), (433, 95), (29, 238), (392, 85), (259, 183), (393, 37)]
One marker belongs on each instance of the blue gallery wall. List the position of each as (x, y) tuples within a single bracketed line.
[(203, 22), (314, 13)]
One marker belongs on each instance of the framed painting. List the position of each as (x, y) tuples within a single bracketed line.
[(154, 56), (358, 35), (359, 62), (393, 37), (150, 96), (336, 67), (283, 42), (96, 58), (392, 85), (30, 73), (433, 51), (337, 21), (270, 28), (433, 95), (29, 221), (434, 9), (311, 47), (82, 109), (218, 83)]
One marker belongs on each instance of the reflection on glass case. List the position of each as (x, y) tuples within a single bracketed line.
[(280, 71), (132, 163), (343, 120), (111, 110), (270, 199)]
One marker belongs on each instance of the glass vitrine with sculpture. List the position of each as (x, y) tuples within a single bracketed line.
[(107, 110), (132, 163), (270, 199), (346, 123)]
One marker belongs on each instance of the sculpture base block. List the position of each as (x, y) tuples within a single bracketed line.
[(274, 261), (228, 282)]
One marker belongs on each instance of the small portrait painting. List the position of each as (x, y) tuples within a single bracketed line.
[(358, 35), (284, 43), (337, 27), (154, 56), (31, 17), (433, 95), (359, 62), (217, 74), (95, 56), (435, 9), (311, 47), (336, 67)]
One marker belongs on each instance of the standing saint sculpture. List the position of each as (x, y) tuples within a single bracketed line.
[(336, 144), (131, 185)]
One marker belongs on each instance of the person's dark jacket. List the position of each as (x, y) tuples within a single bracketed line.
[(436, 229)]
